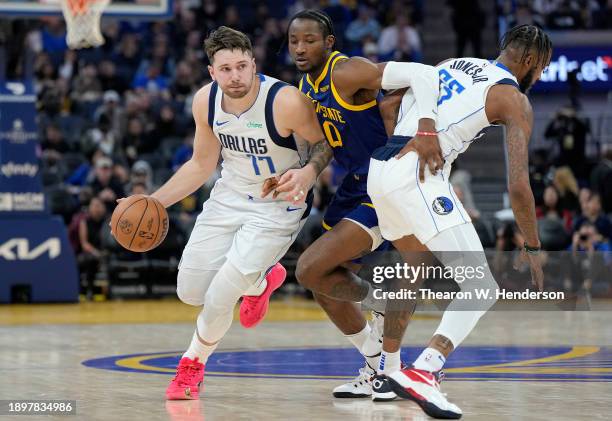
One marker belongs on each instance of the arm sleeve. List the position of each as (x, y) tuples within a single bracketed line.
[(423, 80)]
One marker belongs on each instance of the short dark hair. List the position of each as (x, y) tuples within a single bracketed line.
[(528, 37), (226, 38), (322, 18)]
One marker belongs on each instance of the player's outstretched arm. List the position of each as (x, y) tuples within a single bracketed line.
[(359, 73), (294, 113), (506, 105), (199, 168)]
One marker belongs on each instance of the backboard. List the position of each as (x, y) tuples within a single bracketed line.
[(137, 9)]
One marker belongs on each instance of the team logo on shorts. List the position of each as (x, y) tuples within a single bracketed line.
[(442, 205)]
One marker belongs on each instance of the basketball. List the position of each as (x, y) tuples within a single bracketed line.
[(139, 223)]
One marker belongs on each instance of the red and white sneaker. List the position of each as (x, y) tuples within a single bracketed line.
[(254, 308), (423, 388), (186, 383)]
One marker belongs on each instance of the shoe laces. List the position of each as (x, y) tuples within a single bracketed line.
[(187, 373), (365, 375)]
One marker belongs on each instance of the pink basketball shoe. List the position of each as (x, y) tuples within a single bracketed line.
[(186, 383), (253, 309)]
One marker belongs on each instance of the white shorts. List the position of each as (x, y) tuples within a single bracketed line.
[(253, 234), (405, 206)]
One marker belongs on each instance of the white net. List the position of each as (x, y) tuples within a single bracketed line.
[(83, 22)]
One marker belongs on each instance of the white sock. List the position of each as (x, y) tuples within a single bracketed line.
[(389, 362), (430, 360), (199, 350), (359, 338), (371, 350)]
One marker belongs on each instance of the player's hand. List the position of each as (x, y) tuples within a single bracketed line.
[(535, 264), (293, 183), (429, 152)]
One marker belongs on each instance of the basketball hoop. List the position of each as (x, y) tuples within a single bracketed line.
[(83, 22)]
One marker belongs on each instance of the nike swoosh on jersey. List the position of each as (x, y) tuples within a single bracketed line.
[(221, 123), (290, 209)]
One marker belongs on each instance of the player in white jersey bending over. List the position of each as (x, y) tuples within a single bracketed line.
[(239, 237), (474, 94)]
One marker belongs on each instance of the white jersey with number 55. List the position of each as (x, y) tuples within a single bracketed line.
[(252, 149), (464, 84)]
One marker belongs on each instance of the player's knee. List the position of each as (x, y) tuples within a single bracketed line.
[(307, 271), (191, 287)]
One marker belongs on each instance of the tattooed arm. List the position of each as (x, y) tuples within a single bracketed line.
[(294, 114), (506, 105)]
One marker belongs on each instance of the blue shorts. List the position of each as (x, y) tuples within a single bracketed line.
[(352, 202)]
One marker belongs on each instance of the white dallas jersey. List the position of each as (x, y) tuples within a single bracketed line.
[(464, 83), (252, 149)]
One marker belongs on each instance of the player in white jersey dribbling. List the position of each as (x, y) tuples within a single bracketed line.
[(474, 94), (238, 239)]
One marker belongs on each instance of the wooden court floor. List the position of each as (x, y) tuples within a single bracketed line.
[(116, 358)]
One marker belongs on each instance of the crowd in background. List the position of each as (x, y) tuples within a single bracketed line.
[(558, 14), (116, 120)]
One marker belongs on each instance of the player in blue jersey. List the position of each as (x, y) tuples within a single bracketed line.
[(346, 93)]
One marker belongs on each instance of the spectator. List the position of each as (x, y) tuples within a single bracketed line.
[(468, 20), (136, 140), (570, 133), (363, 29), (567, 187), (566, 16), (524, 16), (142, 173), (127, 58), (151, 80), (160, 56), (102, 137), (601, 180), (53, 144), (166, 125), (539, 169), (109, 79), (105, 185), (112, 110), (54, 38), (184, 152), (602, 17), (588, 238), (590, 259), (592, 213), (400, 42), (184, 82), (551, 225), (86, 86), (90, 243), (209, 14)]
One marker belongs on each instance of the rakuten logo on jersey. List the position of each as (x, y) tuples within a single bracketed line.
[(588, 70), (11, 169)]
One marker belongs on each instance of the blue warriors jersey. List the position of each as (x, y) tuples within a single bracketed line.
[(353, 131)]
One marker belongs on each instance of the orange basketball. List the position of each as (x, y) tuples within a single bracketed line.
[(139, 223)]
